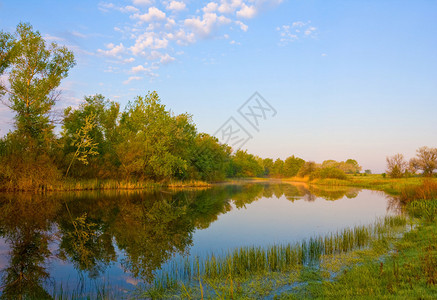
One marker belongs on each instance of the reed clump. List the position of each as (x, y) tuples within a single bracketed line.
[(283, 258)]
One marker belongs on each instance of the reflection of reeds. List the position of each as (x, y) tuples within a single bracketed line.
[(246, 261)]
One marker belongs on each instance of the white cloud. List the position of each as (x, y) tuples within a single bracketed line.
[(138, 69), (129, 60), (142, 2), (210, 7), (132, 78), (176, 5), (153, 14), (128, 9), (148, 40), (243, 26), (155, 31), (246, 11), (162, 58), (113, 50), (205, 26)]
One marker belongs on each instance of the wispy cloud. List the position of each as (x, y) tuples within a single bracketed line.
[(297, 30), (132, 78)]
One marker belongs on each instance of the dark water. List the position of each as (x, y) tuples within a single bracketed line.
[(74, 243)]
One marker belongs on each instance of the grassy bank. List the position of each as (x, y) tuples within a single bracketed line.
[(392, 186), (108, 184)]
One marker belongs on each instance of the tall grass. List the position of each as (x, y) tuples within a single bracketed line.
[(426, 191), (247, 261)]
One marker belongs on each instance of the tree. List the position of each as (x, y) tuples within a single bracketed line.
[(396, 166), (210, 158), (268, 166), (153, 143), (84, 143), (426, 160), (292, 165), (34, 71), (277, 168), (246, 165), (105, 116), (307, 169)]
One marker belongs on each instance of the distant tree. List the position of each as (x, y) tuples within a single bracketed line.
[(268, 166), (277, 168), (426, 160), (368, 171), (210, 159), (292, 166), (246, 165), (396, 166), (307, 169)]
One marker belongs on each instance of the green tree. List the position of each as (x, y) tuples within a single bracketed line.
[(278, 168), (153, 143), (104, 133), (34, 71), (210, 158), (292, 166), (246, 165)]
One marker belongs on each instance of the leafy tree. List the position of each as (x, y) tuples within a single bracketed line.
[(268, 166), (396, 166), (246, 165), (278, 168), (153, 143), (34, 71), (84, 143), (105, 115), (210, 158), (426, 160), (307, 169), (292, 165)]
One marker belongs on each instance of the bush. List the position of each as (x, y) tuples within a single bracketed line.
[(328, 172)]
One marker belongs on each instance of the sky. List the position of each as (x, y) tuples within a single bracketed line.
[(338, 79)]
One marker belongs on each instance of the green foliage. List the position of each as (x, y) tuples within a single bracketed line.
[(35, 70), (292, 166), (210, 159), (84, 143), (277, 168), (328, 172), (244, 164)]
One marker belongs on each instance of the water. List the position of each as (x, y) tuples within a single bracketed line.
[(77, 243)]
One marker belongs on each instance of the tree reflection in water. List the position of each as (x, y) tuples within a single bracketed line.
[(85, 229)]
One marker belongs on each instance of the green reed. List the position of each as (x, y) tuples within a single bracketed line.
[(246, 261)]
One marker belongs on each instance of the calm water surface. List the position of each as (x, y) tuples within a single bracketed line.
[(77, 241)]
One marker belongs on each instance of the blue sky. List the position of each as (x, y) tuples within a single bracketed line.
[(349, 79)]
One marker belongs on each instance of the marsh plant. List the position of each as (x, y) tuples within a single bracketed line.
[(246, 262)]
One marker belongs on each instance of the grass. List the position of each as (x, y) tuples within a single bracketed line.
[(409, 271), (110, 184)]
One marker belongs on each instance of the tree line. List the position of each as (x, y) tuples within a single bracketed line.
[(144, 141)]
